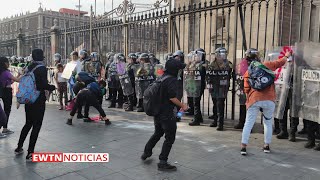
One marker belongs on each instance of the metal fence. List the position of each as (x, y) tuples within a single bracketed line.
[(234, 24)]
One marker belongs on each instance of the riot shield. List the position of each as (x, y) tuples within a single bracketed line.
[(192, 75), (158, 70), (242, 67), (282, 81), (192, 82), (124, 78), (306, 80), (113, 77), (144, 76), (218, 81)]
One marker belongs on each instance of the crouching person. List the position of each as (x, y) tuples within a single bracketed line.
[(89, 96), (164, 120)]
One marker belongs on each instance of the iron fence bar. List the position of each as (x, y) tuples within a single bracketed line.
[(281, 23), (266, 26), (216, 21), (251, 14), (234, 59), (274, 22), (309, 20), (291, 16), (259, 12), (300, 20)]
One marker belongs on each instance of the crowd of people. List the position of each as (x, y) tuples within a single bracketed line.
[(125, 79)]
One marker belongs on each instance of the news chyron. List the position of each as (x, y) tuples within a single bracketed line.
[(70, 157)]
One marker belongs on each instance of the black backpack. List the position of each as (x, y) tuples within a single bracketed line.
[(152, 97)]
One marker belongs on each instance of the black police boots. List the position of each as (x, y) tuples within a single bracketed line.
[(276, 129)]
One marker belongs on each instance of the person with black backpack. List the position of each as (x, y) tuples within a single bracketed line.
[(160, 98), (260, 92)]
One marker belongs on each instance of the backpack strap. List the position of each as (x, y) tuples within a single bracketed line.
[(37, 66)]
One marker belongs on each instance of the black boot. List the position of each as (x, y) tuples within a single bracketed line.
[(69, 122), (293, 128), (292, 137), (317, 148), (311, 130), (310, 144), (220, 128), (221, 122), (242, 118), (304, 129), (214, 123), (194, 123), (276, 129), (129, 108), (283, 135)]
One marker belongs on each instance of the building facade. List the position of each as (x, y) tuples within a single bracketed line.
[(39, 22)]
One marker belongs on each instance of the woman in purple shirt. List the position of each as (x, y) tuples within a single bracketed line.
[(6, 80)]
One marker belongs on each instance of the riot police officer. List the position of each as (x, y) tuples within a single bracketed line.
[(179, 55), (14, 61), (128, 85), (57, 59), (83, 55), (93, 66), (114, 82), (153, 59), (144, 76), (198, 60), (109, 56), (218, 76)]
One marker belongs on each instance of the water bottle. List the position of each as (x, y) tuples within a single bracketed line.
[(180, 113)]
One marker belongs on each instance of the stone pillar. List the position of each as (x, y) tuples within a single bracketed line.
[(54, 41), (20, 47)]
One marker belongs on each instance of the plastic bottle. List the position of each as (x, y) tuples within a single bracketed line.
[(180, 113)]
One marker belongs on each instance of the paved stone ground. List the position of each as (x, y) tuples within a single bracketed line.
[(200, 153)]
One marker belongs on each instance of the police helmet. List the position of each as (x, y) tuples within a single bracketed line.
[(132, 56), (221, 52), (252, 54), (13, 59), (83, 52), (138, 54), (151, 55), (94, 55), (178, 53), (57, 57), (168, 56)]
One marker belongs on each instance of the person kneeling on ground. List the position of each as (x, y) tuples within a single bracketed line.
[(165, 122), (89, 96)]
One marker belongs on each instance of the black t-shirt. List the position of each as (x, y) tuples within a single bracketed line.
[(168, 90)]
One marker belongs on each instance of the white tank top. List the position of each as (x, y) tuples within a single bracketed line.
[(61, 79)]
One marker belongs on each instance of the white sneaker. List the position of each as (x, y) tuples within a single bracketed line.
[(2, 135), (8, 131)]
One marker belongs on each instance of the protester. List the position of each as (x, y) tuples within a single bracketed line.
[(35, 112), (6, 79), (260, 100), (165, 122), (62, 86), (89, 96), (179, 55)]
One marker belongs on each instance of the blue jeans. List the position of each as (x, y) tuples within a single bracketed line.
[(267, 108)]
